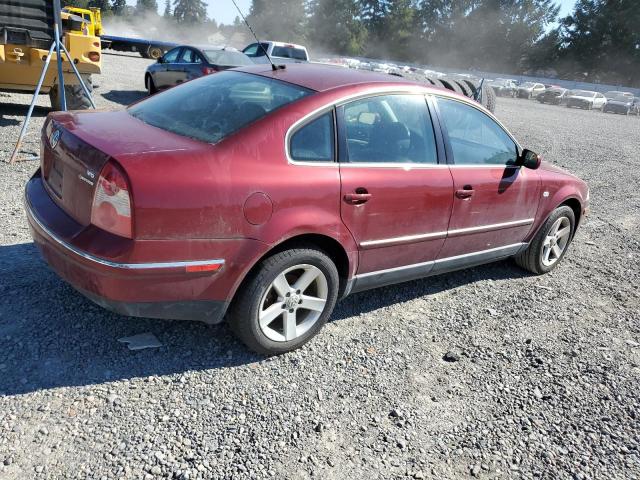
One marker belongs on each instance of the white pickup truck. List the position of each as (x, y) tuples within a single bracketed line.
[(280, 52)]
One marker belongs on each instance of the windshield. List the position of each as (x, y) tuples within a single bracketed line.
[(527, 85), (583, 93), (215, 106), (226, 58)]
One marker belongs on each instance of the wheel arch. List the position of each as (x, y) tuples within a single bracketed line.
[(344, 261)]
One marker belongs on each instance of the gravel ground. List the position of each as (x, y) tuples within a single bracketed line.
[(488, 372)]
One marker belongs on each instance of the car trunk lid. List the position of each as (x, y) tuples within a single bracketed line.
[(76, 146)]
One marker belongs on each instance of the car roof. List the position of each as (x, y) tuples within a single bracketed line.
[(322, 77)]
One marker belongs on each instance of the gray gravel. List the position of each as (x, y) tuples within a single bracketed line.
[(488, 372)]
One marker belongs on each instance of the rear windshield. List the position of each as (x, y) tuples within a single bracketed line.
[(289, 52), (215, 106), (226, 58)]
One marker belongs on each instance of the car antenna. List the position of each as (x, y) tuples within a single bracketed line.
[(477, 96), (274, 67)]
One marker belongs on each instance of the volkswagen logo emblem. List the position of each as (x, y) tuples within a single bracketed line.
[(54, 138)]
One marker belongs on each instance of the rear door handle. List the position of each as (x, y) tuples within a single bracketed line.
[(466, 192), (357, 198)]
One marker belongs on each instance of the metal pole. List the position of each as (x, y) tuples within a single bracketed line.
[(57, 28), (75, 70), (63, 99), (23, 131)]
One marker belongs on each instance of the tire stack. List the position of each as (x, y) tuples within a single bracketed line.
[(465, 87)]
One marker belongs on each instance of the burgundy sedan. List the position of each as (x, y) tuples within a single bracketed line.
[(264, 196)]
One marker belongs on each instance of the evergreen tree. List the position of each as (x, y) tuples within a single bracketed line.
[(167, 9), (118, 7), (190, 11), (146, 6), (279, 19), (601, 39), (336, 26)]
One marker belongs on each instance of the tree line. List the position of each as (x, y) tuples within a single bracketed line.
[(599, 41)]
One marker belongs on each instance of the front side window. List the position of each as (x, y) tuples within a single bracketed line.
[(475, 138), (215, 106), (314, 142), (389, 129), (171, 56)]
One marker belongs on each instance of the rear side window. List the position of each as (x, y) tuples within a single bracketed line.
[(475, 138), (289, 52), (189, 56), (315, 141), (215, 106)]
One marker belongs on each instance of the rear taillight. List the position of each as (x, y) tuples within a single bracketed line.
[(111, 209), (208, 70)]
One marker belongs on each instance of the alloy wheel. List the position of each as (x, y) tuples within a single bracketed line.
[(556, 241), (293, 303)]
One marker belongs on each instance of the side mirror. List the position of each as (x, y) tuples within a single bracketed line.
[(529, 159), (160, 60)]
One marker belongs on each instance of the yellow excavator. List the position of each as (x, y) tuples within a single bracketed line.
[(26, 34)]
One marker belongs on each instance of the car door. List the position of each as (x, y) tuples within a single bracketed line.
[(396, 196), (600, 100), (165, 74), (495, 201), (191, 66)]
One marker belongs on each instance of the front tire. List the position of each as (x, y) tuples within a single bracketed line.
[(550, 244), (74, 96), (286, 301)]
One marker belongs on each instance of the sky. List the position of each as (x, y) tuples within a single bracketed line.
[(223, 11)]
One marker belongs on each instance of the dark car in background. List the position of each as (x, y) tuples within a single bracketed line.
[(620, 102), (187, 62), (504, 87), (553, 95)]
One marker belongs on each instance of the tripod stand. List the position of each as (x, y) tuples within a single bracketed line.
[(59, 47)]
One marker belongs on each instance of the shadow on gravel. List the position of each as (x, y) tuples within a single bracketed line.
[(51, 336), (19, 110), (124, 97)]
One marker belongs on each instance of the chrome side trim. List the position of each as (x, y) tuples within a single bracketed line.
[(395, 269), (449, 233), (513, 246), (107, 263), (485, 228), (382, 278), (405, 239)]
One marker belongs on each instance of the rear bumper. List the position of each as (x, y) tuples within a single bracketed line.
[(117, 273)]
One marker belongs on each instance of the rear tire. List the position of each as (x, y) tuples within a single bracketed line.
[(275, 311), (74, 96), (550, 244), (151, 86)]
